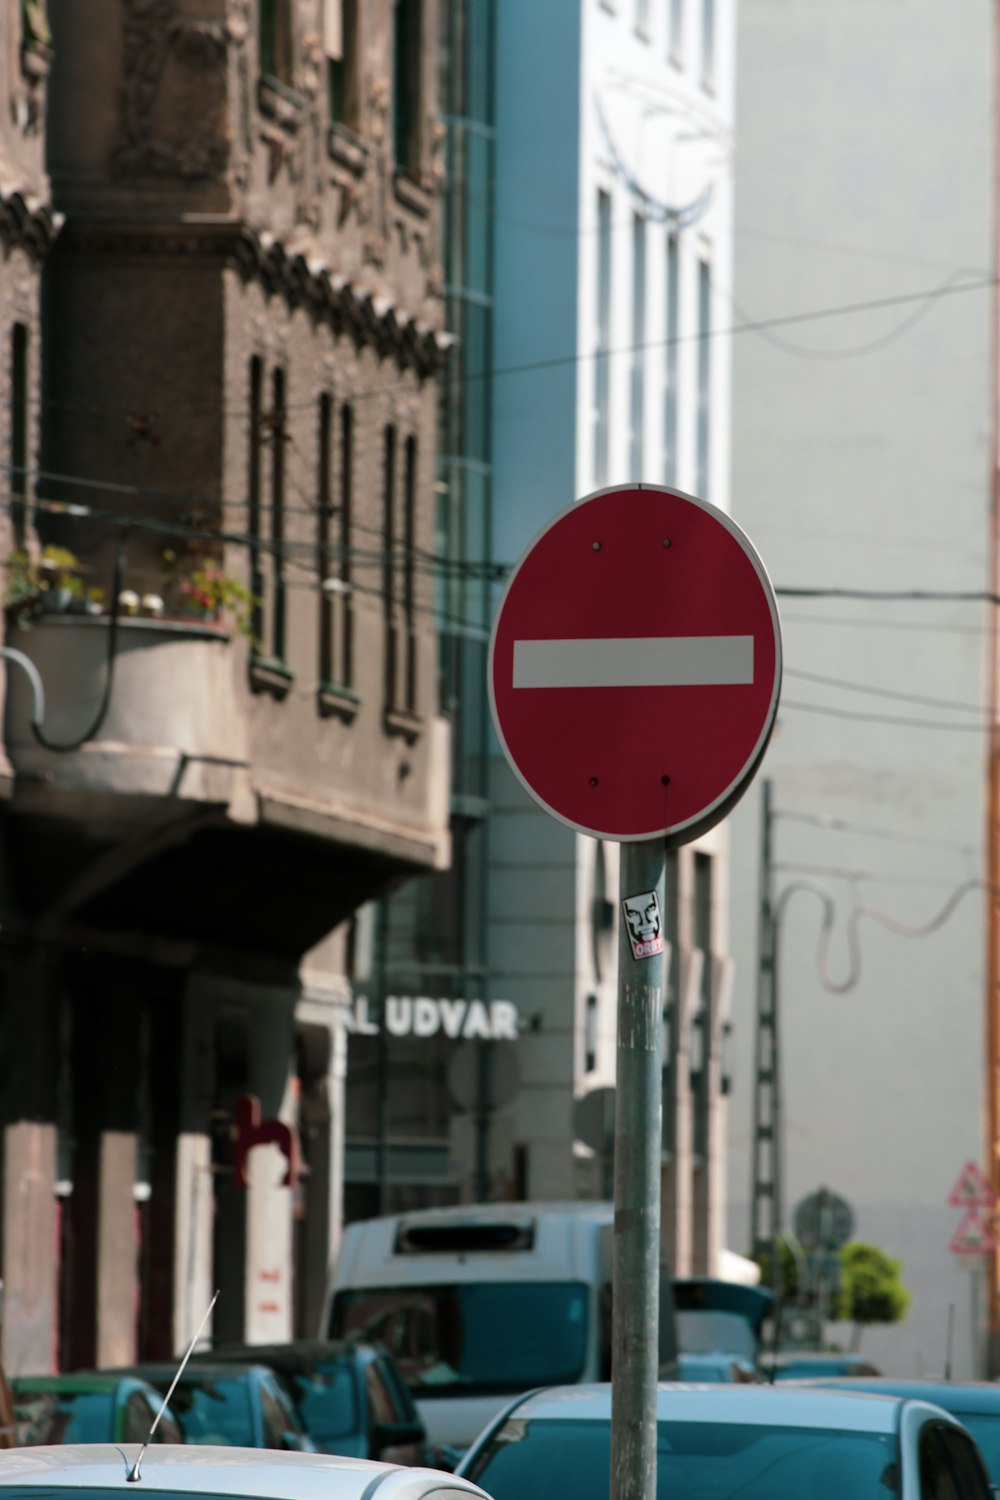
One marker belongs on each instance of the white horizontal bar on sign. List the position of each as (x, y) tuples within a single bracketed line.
[(643, 661)]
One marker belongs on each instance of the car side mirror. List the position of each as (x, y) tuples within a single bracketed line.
[(398, 1434)]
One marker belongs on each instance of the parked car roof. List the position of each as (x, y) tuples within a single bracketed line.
[(975, 1403), (257, 1473), (722, 1403), (755, 1442)]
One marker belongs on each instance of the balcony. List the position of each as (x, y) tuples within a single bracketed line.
[(174, 727)]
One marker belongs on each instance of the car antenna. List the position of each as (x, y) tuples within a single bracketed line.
[(947, 1342), (133, 1476)]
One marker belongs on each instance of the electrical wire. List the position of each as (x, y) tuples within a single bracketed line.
[(842, 825), (880, 692), (828, 711)]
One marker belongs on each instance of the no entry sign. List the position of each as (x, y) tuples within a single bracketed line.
[(635, 665)]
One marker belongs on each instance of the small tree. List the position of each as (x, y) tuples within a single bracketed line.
[(788, 1289), (870, 1289)]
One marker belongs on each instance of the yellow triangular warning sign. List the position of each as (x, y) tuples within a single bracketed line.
[(973, 1236), (971, 1189)]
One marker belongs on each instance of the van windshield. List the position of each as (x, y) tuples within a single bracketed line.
[(480, 1337)]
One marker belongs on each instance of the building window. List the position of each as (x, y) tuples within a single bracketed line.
[(276, 420), (703, 433), (389, 561), (274, 39), (703, 1019), (676, 41), (602, 363), (708, 43), (637, 393), (409, 600), (324, 542), (672, 308), (346, 591), (340, 44), (642, 18), (253, 503), (19, 434), (399, 575), (336, 644), (406, 95)]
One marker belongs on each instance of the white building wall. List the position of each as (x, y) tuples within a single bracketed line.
[(861, 460), (586, 101)]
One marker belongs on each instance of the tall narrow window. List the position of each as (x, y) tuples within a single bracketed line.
[(19, 434), (346, 591), (274, 39), (406, 97), (389, 563), (253, 504), (677, 31), (637, 393), (703, 434), (703, 1020), (409, 600), (340, 44), (277, 420), (642, 17), (602, 363), (672, 331), (324, 544), (708, 43)]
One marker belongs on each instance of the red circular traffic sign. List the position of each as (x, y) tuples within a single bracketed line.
[(635, 665)]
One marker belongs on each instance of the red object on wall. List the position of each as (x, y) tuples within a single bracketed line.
[(252, 1131)]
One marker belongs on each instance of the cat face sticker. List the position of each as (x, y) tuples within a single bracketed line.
[(642, 913)]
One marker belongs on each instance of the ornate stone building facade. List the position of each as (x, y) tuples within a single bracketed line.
[(240, 342)]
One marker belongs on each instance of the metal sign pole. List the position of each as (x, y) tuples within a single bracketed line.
[(638, 1131)]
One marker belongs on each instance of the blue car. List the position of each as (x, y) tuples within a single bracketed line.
[(239, 1405)]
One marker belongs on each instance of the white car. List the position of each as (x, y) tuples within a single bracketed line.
[(105, 1472), (721, 1442)]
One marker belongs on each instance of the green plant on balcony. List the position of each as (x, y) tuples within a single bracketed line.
[(204, 590), (51, 583)]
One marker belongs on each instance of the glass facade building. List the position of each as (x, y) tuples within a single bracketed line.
[(425, 946)]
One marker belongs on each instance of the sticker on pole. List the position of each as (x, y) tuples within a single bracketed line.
[(635, 665), (642, 913)]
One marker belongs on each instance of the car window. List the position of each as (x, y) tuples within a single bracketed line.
[(380, 1407), (966, 1470), (406, 1407), (485, 1336), (137, 1418), (212, 1410), (696, 1460), (937, 1479), (325, 1399), (277, 1418), (985, 1429), (63, 1417)]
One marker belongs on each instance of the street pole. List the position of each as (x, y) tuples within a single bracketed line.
[(992, 840), (638, 1134)]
